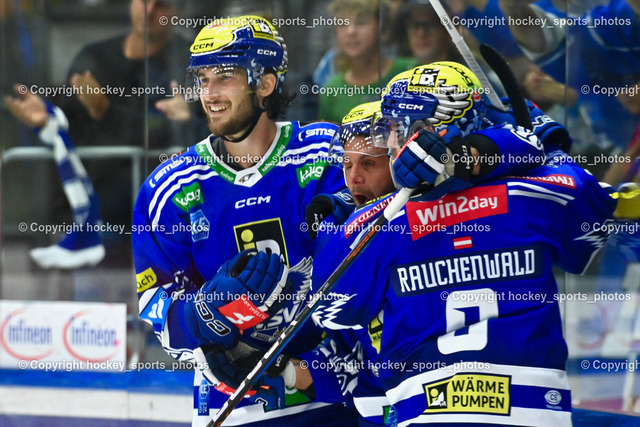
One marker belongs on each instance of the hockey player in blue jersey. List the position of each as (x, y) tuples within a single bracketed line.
[(361, 195), (213, 224), (364, 153), (453, 304)]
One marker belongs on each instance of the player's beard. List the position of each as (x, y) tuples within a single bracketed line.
[(239, 121)]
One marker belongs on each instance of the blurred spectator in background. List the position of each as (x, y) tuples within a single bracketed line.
[(484, 20), (602, 47), (130, 77), (326, 68), (82, 245), (626, 171), (363, 68), (596, 52), (124, 95), (545, 91), (563, 104), (422, 35)]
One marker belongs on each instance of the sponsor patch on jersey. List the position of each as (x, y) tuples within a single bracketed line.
[(274, 158), (553, 397), (389, 416), (314, 130), (479, 202), (310, 172), (243, 313), (146, 279), (469, 393), (262, 235), (562, 180), (252, 201), (375, 331), (188, 197), (199, 226), (356, 224)]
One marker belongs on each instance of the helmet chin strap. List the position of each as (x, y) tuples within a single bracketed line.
[(257, 112)]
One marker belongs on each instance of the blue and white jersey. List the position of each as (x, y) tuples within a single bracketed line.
[(458, 298), (341, 371), (195, 212)]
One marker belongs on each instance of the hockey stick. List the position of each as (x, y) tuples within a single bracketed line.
[(398, 201), (457, 39), (502, 69)]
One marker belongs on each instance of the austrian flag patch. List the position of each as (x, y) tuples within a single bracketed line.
[(462, 242)]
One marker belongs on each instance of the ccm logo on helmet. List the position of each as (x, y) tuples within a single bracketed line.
[(204, 46), (267, 52), (410, 106)]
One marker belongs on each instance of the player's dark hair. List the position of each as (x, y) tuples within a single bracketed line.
[(277, 103)]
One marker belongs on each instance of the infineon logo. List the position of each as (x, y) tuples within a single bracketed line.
[(34, 334), (87, 337), (24, 338)]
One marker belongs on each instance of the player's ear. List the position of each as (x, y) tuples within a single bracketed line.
[(267, 85)]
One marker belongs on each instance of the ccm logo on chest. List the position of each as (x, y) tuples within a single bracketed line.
[(455, 208), (252, 201)]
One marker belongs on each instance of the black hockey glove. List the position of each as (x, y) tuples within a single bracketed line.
[(227, 368), (340, 204)]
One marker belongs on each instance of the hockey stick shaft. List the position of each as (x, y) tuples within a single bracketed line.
[(502, 69), (398, 201), (462, 47)]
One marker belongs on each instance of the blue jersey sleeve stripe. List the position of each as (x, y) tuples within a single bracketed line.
[(167, 194)]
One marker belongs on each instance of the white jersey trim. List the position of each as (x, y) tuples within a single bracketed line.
[(176, 186), (160, 191), (539, 189), (371, 406), (538, 196), (250, 413), (518, 417)]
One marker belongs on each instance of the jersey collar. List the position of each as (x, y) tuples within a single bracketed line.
[(249, 176)]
